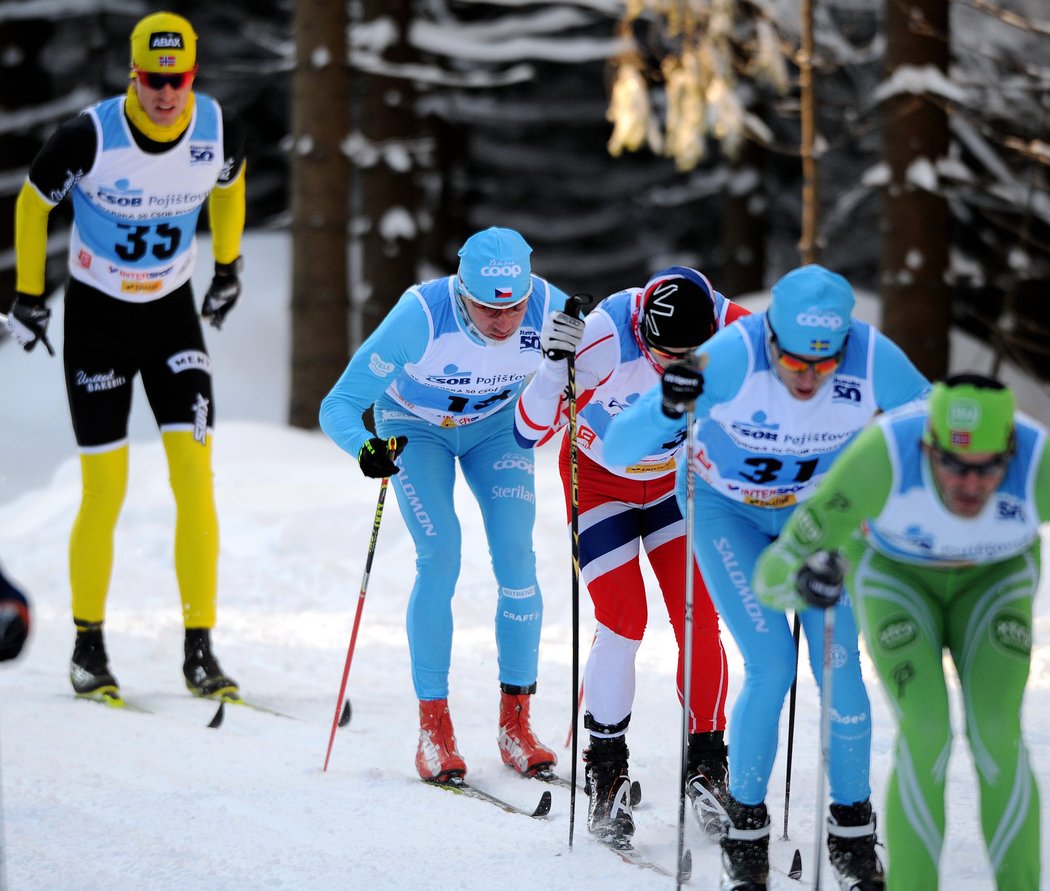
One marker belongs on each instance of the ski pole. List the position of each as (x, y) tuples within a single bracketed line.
[(579, 703), (825, 738), (796, 627), (392, 451), (572, 725), (687, 638), (574, 307)]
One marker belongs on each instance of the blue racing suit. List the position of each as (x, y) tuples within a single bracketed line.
[(760, 452), (435, 379)]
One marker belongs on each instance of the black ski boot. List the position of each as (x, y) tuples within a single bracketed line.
[(609, 810), (851, 847), (706, 781), (204, 676), (89, 668), (745, 847)]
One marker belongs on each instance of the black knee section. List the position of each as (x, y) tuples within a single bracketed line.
[(512, 690), (605, 730)]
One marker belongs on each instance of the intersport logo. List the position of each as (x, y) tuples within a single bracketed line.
[(811, 319), (510, 270)]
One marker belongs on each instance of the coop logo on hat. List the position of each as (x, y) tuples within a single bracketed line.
[(164, 42), (494, 267), (810, 311)]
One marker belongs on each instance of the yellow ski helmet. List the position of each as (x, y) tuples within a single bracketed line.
[(164, 43)]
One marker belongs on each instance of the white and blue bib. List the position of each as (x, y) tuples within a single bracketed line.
[(135, 213), (461, 378), (765, 448), (914, 525)]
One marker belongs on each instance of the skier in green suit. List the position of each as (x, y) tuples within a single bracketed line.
[(936, 509)]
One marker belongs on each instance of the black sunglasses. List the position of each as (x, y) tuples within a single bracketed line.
[(155, 80), (951, 464)]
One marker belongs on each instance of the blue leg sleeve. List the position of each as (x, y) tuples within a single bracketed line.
[(728, 538), (424, 493), (849, 755), (502, 477)]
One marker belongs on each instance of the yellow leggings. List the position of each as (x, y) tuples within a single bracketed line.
[(105, 483)]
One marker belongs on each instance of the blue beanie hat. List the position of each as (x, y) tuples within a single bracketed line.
[(810, 311), (494, 267)]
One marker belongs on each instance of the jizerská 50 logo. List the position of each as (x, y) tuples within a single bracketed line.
[(507, 269)]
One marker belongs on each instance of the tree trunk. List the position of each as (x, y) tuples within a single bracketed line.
[(808, 245), (916, 223), (320, 103), (397, 146), (745, 225)]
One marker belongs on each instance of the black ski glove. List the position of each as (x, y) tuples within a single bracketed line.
[(681, 385), (14, 620), (223, 292), (27, 321), (819, 580), (377, 456)]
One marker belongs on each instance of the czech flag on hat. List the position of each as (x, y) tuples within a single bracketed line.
[(494, 267)]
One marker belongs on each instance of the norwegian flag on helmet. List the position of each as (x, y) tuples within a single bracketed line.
[(167, 61)]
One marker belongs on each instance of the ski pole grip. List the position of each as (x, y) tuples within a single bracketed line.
[(578, 304)]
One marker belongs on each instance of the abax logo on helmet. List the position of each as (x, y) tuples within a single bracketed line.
[(165, 40), (494, 270), (812, 318)]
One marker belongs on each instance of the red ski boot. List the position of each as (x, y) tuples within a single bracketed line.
[(437, 757), (517, 744)]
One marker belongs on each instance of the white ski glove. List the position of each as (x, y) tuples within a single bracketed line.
[(560, 336)]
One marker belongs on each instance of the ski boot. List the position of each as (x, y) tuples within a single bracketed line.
[(517, 743), (204, 676), (745, 847), (706, 781), (851, 847), (89, 668), (437, 758), (609, 809)]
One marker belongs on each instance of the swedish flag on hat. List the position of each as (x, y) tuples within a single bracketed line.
[(164, 43), (810, 311)]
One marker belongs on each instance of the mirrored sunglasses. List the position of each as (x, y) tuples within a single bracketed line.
[(953, 465), (797, 364), (156, 80)]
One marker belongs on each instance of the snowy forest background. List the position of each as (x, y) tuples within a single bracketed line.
[(930, 147)]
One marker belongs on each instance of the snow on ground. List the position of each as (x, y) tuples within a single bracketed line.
[(95, 798)]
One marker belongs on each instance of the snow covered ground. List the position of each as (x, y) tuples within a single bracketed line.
[(95, 798)]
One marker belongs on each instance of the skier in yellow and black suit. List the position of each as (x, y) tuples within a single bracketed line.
[(139, 167)]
